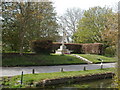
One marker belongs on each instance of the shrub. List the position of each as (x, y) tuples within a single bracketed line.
[(116, 81), (110, 51), (92, 48), (42, 46)]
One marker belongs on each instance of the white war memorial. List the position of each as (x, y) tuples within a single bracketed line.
[(63, 50)]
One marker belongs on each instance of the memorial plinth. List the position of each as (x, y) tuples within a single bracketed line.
[(62, 50)]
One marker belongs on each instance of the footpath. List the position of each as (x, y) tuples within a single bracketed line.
[(84, 59)]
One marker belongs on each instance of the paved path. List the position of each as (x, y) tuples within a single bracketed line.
[(12, 71), (82, 58)]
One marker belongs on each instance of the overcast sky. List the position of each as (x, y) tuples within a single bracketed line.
[(62, 5)]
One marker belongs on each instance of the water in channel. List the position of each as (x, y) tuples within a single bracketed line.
[(103, 83)]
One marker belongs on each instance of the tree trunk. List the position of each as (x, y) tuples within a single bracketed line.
[(25, 14), (21, 44)]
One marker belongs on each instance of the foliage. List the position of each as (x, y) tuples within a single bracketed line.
[(110, 51), (110, 33), (96, 48), (42, 46), (26, 21), (116, 82), (92, 48), (73, 47), (92, 27), (118, 52)]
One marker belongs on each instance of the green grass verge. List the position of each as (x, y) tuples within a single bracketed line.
[(32, 78), (94, 58), (53, 59), (35, 60)]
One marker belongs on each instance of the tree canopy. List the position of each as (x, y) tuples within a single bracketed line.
[(26, 21), (96, 23)]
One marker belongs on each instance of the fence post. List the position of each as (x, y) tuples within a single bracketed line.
[(33, 71), (61, 70), (102, 66), (84, 68), (21, 81)]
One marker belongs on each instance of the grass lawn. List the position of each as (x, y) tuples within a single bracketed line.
[(31, 78), (94, 58), (53, 59), (34, 60)]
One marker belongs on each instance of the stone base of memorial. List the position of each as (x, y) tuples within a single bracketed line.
[(62, 50)]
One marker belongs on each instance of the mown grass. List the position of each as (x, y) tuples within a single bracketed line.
[(94, 58), (35, 60), (53, 59), (32, 78)]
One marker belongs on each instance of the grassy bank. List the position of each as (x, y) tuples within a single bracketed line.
[(94, 58), (53, 59), (35, 60), (33, 78)]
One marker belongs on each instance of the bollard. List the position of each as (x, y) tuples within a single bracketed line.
[(33, 71), (21, 81), (84, 68), (61, 70), (101, 66)]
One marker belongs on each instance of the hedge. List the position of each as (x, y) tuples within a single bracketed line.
[(42, 46), (47, 47), (90, 48), (75, 48)]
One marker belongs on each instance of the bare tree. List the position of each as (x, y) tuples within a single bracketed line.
[(70, 19)]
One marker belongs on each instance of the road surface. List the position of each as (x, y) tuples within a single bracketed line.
[(12, 71)]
